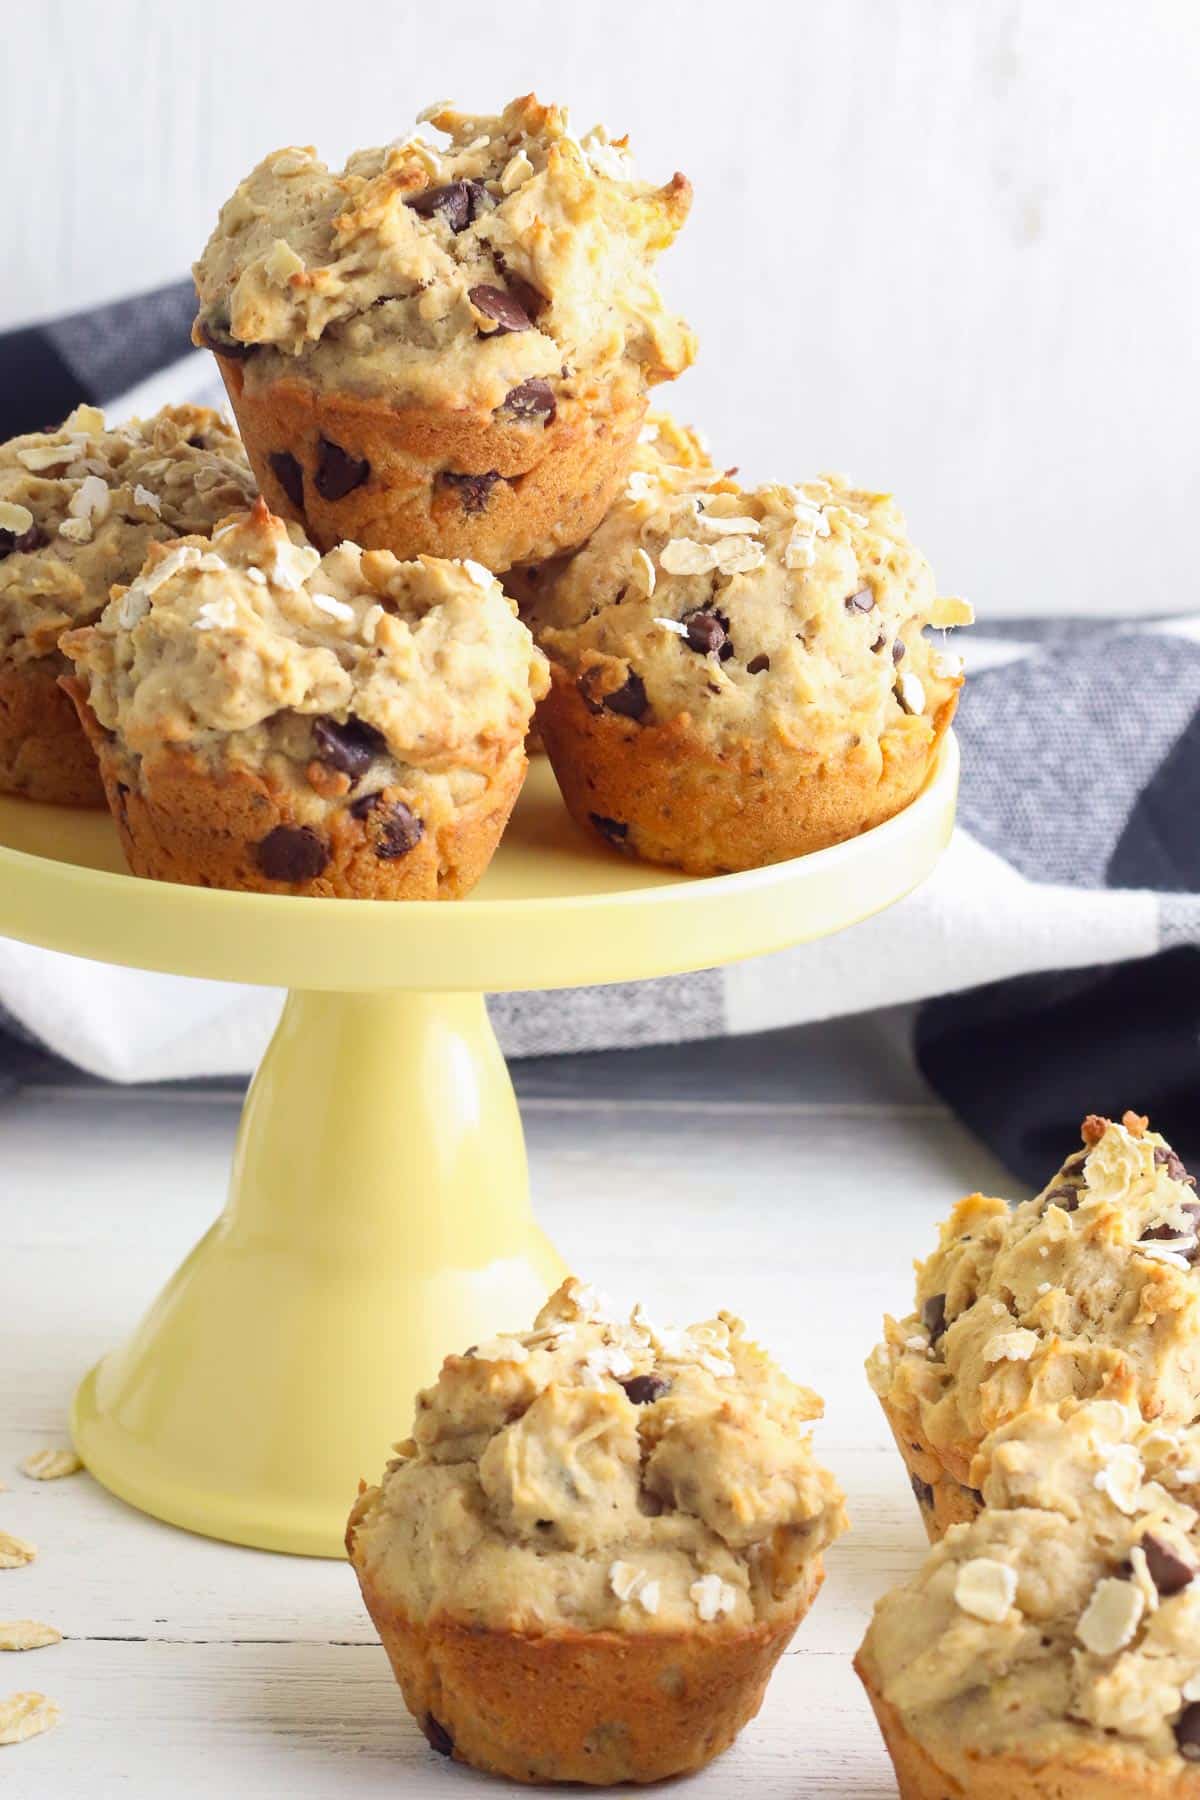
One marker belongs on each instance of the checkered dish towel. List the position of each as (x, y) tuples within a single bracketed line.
[(1057, 946)]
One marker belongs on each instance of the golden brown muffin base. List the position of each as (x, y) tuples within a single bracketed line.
[(710, 811), (179, 822), (597, 1707), (43, 753), (1106, 1773), (940, 1488), (556, 483)]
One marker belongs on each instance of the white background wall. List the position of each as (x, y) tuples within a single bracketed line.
[(948, 245)]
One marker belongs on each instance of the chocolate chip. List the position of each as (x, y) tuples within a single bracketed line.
[(437, 1735), (880, 642), (863, 601), (292, 853), (347, 747), (899, 650), (923, 1492), (289, 475), (474, 491), (12, 542), (531, 300), (400, 831), (1187, 1732), (220, 340), (630, 698), (458, 202), (933, 1316), (495, 303), (643, 1390), (705, 633), (1065, 1197), (1173, 1164), (611, 830), (533, 399), (1168, 1571), (758, 665), (338, 473)]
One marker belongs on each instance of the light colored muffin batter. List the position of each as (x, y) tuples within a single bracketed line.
[(512, 267), (1063, 1625), (792, 614), (597, 1475), (81, 506), (1089, 1289)]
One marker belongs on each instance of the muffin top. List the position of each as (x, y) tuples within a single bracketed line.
[(517, 254), (1088, 1289), (80, 507), (336, 673), (597, 1475), (793, 613), (1067, 1615)]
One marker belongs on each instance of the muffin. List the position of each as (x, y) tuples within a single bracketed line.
[(268, 718), (741, 675), (587, 1560), (1086, 1290), (79, 508), (1050, 1650), (445, 350)]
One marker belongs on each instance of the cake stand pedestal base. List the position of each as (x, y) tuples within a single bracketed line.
[(378, 1216)]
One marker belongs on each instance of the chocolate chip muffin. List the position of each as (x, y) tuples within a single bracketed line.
[(79, 508), (1052, 1647), (1089, 1289), (742, 675), (596, 1545), (268, 718), (445, 350)]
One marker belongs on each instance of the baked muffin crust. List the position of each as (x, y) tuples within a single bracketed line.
[(1086, 1290), (597, 1476), (779, 612), (80, 507), (1060, 1631), (510, 269)]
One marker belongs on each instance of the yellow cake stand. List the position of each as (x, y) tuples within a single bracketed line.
[(378, 1212)]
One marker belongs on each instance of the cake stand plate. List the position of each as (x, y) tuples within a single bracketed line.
[(378, 1212)]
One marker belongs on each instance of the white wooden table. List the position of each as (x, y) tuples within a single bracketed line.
[(791, 1178)]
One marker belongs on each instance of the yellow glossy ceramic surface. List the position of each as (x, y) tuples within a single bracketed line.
[(556, 908), (378, 1213), (378, 1217)]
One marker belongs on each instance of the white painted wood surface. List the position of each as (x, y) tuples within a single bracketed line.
[(947, 247), (193, 1668)]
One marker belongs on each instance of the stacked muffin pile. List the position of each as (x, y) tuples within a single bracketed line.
[(1044, 1397), (440, 361)]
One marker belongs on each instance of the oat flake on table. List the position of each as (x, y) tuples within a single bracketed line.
[(25, 1715), (15, 1552), (51, 1465), (27, 1634)]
